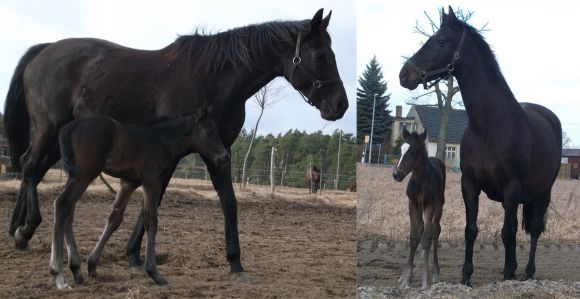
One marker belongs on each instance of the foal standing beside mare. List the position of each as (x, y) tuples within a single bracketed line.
[(510, 150), (426, 192), (55, 83), (139, 156)]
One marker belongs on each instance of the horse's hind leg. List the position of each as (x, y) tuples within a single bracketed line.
[(74, 258), (426, 240), (537, 226), (63, 207), (113, 223), (414, 238), (150, 205), (37, 161), (436, 229)]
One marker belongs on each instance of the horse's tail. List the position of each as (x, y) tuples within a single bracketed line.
[(16, 118), (66, 151)]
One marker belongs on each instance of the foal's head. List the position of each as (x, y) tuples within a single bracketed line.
[(437, 57), (413, 152), (205, 138), (311, 69)]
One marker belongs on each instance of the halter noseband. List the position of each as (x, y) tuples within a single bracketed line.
[(447, 70), (316, 83)]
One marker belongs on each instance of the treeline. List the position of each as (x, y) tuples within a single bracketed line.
[(295, 151)]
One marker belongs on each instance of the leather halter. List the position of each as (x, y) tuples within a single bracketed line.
[(447, 70), (315, 84)]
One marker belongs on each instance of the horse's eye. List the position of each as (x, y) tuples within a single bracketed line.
[(440, 41)]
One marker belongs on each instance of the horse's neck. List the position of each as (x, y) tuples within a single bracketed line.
[(422, 169), (487, 97)]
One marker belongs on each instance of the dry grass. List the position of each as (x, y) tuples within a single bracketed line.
[(382, 209)]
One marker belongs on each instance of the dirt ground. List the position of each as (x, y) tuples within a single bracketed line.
[(293, 245), (383, 229)]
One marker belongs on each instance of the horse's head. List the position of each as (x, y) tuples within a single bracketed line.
[(412, 149), (437, 57), (311, 69), (206, 138)]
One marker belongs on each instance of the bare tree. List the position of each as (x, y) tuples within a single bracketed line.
[(269, 95), (566, 140), (444, 96)]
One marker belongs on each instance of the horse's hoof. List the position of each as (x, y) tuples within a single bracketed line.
[(79, 278), (61, 283), (159, 280), (466, 282), (20, 241), (425, 287), (240, 277)]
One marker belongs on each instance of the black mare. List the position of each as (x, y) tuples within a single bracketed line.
[(56, 83), (139, 156), (510, 150), (426, 192)]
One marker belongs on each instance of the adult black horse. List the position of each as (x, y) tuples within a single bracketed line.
[(56, 83), (511, 151)]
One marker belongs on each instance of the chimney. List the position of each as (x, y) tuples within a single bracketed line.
[(399, 111)]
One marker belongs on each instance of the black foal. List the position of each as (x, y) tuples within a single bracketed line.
[(426, 192), (138, 155)]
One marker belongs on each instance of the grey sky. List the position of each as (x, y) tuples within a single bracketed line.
[(535, 44), (155, 24)]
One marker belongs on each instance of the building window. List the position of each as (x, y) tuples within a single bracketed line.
[(450, 152)]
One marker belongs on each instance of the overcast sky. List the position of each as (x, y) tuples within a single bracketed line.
[(536, 45), (155, 24)]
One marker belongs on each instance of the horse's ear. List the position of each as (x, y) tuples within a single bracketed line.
[(423, 136), (451, 16), (443, 16), (325, 21), (406, 133), (316, 20)]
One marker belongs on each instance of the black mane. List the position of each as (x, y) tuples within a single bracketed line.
[(242, 45)]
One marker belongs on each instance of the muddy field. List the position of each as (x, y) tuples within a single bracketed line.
[(383, 229), (293, 245)]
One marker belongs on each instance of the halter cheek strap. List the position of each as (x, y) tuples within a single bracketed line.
[(447, 70), (315, 84)]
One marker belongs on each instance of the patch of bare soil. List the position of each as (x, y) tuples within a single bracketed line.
[(293, 245)]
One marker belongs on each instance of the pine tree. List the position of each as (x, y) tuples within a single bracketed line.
[(370, 83)]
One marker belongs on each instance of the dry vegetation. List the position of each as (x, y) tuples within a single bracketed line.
[(293, 244), (382, 210)]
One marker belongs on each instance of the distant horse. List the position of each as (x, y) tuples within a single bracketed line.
[(313, 179), (426, 192), (55, 83), (139, 155), (511, 151)]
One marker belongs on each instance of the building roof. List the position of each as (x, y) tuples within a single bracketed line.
[(571, 152), (429, 116)]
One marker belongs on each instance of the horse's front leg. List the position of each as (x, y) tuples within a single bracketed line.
[(150, 205), (222, 181), (414, 238), (511, 198), (471, 200)]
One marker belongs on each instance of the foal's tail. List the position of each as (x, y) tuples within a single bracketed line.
[(16, 118), (66, 151)]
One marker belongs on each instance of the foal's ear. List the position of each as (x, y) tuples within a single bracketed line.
[(316, 20), (406, 133), (423, 136), (442, 15)]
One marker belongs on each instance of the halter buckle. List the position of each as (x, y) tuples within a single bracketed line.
[(317, 84), (296, 60)]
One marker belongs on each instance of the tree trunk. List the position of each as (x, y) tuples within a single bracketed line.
[(444, 104), (250, 148)]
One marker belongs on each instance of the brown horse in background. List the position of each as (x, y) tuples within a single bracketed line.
[(426, 192), (55, 83), (139, 156), (313, 179)]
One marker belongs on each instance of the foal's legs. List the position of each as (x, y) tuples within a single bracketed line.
[(113, 223), (540, 205), (74, 258), (63, 207), (415, 236), (438, 211), (26, 215), (426, 240), (471, 200), (511, 197), (150, 204)]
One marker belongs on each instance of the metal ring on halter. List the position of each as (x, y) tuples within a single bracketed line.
[(296, 60), (450, 67), (456, 55), (317, 84), (423, 75)]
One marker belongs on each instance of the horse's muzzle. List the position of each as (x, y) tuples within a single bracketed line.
[(398, 175)]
